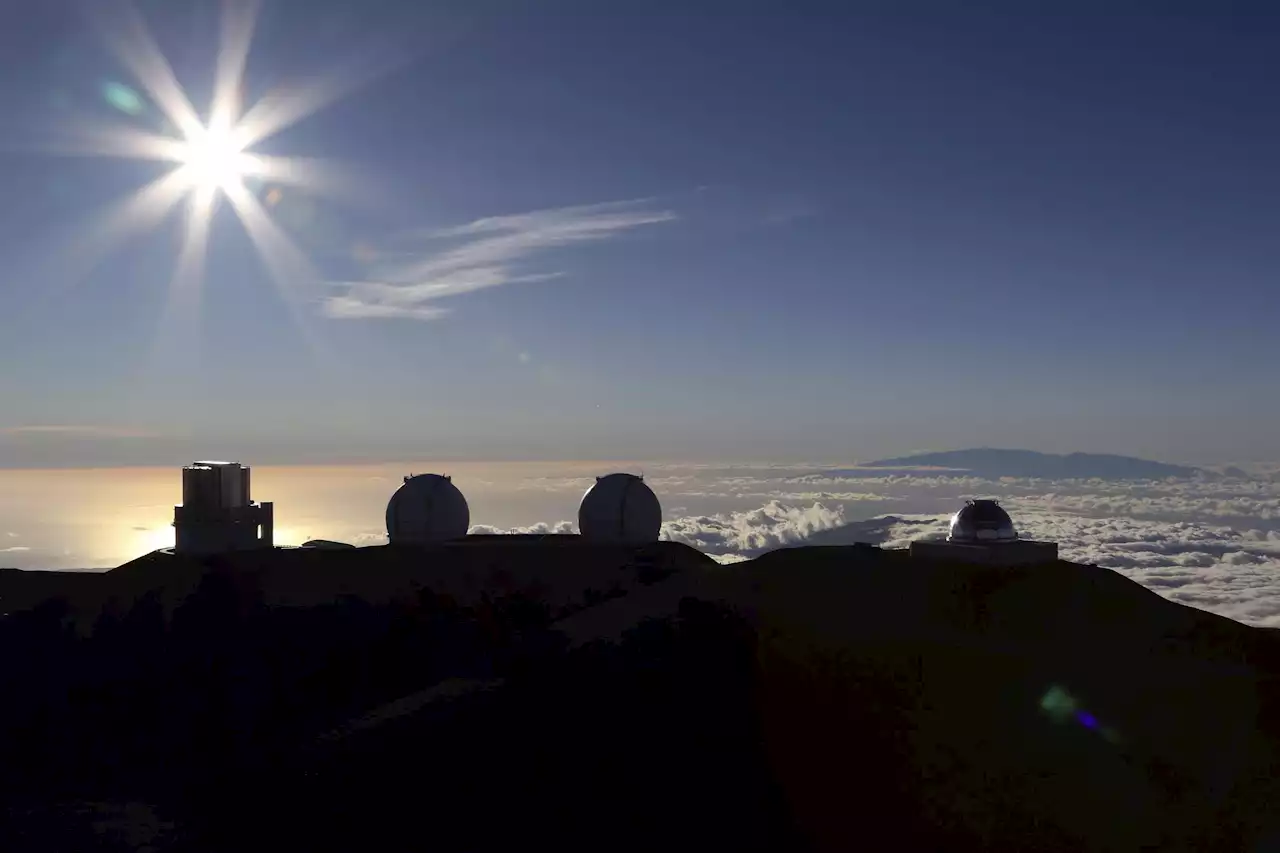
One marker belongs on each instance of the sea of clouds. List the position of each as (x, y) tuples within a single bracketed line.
[(1213, 543)]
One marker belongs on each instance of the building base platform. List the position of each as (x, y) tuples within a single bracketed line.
[(1019, 552)]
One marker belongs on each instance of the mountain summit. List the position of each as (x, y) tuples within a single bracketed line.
[(993, 463)]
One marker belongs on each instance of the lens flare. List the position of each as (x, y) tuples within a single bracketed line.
[(1060, 706), (123, 98)]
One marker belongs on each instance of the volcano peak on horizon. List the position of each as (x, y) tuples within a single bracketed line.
[(993, 463)]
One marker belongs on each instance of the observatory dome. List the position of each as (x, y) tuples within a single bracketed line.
[(620, 508), (426, 509), (982, 521)]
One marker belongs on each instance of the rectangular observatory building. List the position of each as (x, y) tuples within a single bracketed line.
[(217, 513)]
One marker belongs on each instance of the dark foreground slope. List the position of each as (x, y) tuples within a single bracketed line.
[(501, 694)]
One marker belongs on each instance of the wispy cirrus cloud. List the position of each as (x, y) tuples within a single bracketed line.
[(485, 253)]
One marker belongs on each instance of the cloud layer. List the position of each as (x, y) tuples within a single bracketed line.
[(485, 253), (753, 532), (1168, 536), (1209, 544), (541, 529)]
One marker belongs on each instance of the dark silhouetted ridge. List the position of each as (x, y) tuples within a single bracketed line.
[(499, 694)]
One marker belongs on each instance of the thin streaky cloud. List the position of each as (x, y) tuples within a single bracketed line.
[(76, 430), (489, 254), (543, 218), (350, 308), (448, 284), (507, 239)]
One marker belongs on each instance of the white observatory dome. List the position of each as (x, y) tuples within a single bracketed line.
[(427, 509), (620, 508), (982, 521)]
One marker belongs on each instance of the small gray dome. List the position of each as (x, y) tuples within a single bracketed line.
[(982, 521)]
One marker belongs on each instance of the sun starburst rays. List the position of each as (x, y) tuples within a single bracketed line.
[(208, 154), (286, 263), (210, 159), (236, 36)]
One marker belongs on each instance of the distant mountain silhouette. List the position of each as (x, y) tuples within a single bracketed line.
[(994, 463)]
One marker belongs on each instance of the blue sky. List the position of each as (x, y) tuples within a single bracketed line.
[(677, 230)]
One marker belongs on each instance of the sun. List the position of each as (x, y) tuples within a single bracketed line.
[(206, 159), (212, 159)]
